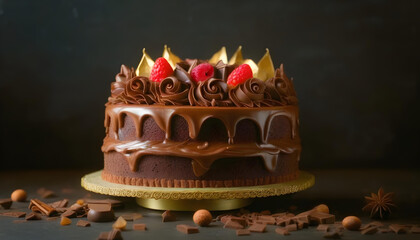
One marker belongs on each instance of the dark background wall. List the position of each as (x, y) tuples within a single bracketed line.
[(355, 65)]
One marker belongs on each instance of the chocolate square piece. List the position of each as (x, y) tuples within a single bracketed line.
[(257, 228), (323, 227), (83, 223), (69, 213), (13, 214), (6, 203), (139, 226), (291, 227), (186, 229), (322, 218), (242, 232), (233, 224), (113, 235), (168, 216)]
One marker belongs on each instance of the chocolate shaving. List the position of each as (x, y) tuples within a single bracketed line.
[(60, 204), (45, 209), (33, 216)]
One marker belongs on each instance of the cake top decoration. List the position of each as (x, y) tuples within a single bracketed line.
[(217, 82)]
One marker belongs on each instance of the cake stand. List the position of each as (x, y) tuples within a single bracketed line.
[(191, 199)]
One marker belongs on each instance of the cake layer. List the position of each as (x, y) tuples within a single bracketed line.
[(223, 146)]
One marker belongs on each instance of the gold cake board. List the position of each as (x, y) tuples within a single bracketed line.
[(191, 199)]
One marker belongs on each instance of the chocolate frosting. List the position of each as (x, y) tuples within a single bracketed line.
[(248, 94), (203, 154), (180, 89), (281, 89), (118, 87), (173, 91), (138, 90), (212, 92)]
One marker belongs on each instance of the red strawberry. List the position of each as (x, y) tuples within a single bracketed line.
[(202, 72), (239, 75), (161, 70)]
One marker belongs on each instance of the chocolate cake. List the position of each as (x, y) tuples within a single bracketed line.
[(201, 123)]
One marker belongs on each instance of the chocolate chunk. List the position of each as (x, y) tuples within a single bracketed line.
[(398, 229), (291, 227), (113, 235), (33, 216), (333, 235), (282, 231), (6, 203), (282, 221), (139, 226), (323, 227), (266, 219), (369, 231), (100, 213), (69, 213), (186, 229), (83, 223), (415, 229), (301, 224), (233, 224), (239, 220), (257, 228), (322, 218), (168, 216), (13, 214), (242, 232), (60, 204)]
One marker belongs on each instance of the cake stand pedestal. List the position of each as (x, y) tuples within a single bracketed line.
[(191, 199)]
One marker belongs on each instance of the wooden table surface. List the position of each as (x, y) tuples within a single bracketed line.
[(341, 190)]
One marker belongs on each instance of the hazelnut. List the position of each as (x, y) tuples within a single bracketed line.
[(202, 217), (19, 195), (352, 223), (322, 208)]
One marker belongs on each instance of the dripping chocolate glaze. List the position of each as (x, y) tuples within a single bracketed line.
[(203, 154)]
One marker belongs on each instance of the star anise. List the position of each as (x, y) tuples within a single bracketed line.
[(379, 205)]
